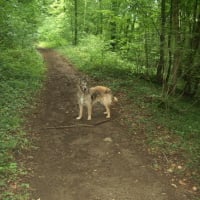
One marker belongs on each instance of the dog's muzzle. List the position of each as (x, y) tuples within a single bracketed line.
[(84, 89)]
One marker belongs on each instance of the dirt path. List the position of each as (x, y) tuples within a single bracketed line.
[(85, 163)]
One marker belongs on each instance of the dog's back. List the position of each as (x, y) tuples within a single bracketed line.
[(100, 89), (102, 95)]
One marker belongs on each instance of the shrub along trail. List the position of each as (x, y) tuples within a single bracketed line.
[(85, 163)]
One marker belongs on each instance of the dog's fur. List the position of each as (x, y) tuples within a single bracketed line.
[(90, 96)]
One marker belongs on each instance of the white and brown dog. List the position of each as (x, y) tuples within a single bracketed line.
[(90, 96)]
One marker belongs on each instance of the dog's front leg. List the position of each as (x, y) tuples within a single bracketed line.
[(80, 111), (89, 111)]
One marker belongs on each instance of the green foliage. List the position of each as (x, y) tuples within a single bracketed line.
[(18, 23), (126, 42), (93, 56), (141, 32), (53, 30), (21, 74), (178, 115)]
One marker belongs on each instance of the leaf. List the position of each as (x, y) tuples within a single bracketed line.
[(174, 185), (194, 188), (181, 182)]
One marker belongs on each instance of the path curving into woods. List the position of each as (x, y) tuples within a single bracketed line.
[(85, 163)]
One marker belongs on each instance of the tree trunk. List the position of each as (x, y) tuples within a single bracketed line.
[(169, 46), (146, 50), (161, 64), (113, 26), (177, 40), (100, 26), (75, 22), (84, 15), (190, 75)]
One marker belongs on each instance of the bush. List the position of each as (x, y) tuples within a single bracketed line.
[(93, 56), (21, 74)]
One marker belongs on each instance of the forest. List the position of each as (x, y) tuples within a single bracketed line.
[(158, 38), (156, 42)]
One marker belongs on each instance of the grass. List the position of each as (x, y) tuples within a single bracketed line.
[(172, 127), (21, 75)]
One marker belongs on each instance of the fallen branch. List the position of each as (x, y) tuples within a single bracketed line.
[(77, 125)]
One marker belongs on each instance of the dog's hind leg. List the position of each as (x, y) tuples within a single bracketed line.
[(80, 111), (89, 112), (107, 111)]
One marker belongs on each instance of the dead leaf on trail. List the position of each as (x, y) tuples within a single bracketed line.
[(182, 182), (107, 139), (170, 170), (174, 185), (194, 188), (180, 167)]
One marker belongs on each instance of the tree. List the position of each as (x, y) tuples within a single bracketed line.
[(113, 24), (161, 37), (161, 64), (191, 75), (18, 22), (75, 22), (176, 43)]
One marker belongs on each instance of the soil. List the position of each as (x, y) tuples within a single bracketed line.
[(73, 161)]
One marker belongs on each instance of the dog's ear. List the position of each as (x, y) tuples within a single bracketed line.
[(85, 78)]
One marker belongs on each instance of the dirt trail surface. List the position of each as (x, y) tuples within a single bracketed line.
[(85, 163)]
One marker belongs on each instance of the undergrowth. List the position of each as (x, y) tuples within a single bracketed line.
[(21, 74), (178, 115)]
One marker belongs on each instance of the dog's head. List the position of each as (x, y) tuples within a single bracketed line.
[(83, 86)]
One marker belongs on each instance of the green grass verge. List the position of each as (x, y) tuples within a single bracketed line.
[(21, 75)]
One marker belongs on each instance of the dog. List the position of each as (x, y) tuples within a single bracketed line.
[(90, 96)]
